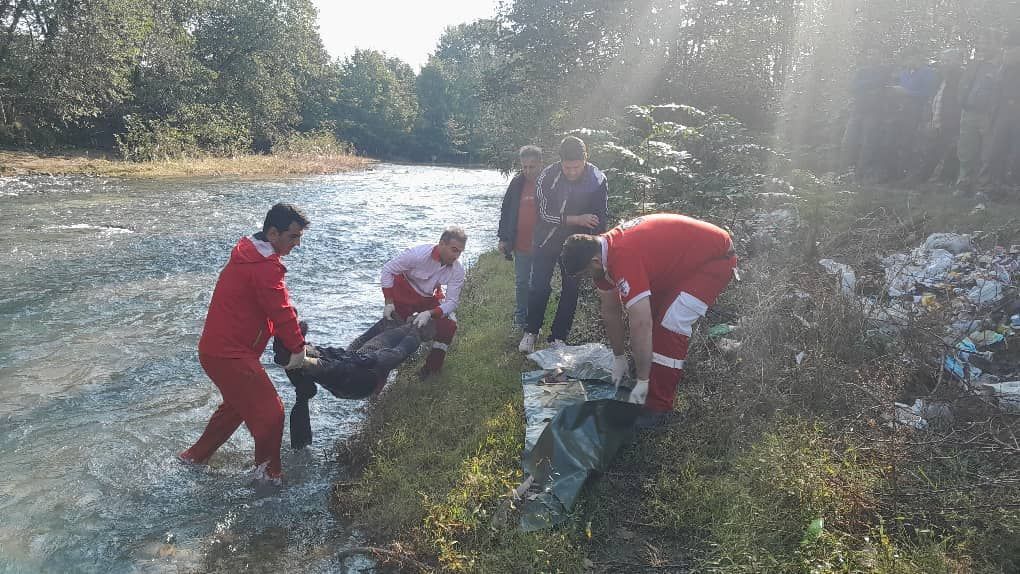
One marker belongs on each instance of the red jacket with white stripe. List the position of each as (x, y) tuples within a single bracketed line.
[(656, 252), (250, 304)]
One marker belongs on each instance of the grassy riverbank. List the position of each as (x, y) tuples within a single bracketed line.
[(97, 163), (777, 464)]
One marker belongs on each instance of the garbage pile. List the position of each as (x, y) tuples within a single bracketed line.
[(976, 289)]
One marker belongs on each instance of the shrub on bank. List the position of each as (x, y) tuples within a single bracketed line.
[(677, 157), (192, 131), (318, 142)]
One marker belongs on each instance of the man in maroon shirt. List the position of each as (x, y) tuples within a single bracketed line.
[(517, 225)]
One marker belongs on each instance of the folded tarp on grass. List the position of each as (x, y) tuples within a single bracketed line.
[(574, 428), (544, 400), (582, 439), (590, 362)]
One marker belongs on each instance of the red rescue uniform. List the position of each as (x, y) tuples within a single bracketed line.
[(414, 282), (249, 305), (681, 265)]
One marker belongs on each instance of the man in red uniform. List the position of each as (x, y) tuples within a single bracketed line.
[(249, 305), (412, 284), (666, 269)]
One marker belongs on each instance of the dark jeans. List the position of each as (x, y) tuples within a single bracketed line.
[(544, 261), (522, 281), (354, 373)]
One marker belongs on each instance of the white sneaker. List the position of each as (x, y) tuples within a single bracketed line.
[(527, 343), (557, 343)]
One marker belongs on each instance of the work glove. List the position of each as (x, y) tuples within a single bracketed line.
[(620, 367), (422, 319), (639, 393), (297, 360), (390, 312)]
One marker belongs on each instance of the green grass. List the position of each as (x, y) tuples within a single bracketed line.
[(776, 467), (444, 452)]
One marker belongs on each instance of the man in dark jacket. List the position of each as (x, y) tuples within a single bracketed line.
[(516, 225), (865, 145), (573, 197), (249, 305)]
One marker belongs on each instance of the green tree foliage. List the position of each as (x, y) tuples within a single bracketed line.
[(376, 106), (64, 61), (266, 57), (466, 53), (433, 139), (174, 76), (676, 157), (98, 72), (780, 66)]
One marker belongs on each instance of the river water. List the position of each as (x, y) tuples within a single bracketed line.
[(104, 292)]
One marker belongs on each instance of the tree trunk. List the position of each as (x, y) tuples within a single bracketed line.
[(19, 11)]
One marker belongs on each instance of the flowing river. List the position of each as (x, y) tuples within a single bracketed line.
[(104, 293)]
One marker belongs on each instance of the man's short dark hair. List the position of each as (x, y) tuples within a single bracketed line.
[(578, 251), (572, 148), (453, 233), (281, 215), (532, 151)]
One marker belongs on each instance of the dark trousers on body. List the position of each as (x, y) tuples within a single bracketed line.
[(544, 262)]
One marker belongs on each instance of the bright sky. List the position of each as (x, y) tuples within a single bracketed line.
[(407, 29)]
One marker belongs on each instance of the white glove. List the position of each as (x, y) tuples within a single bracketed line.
[(620, 367), (639, 393), (389, 311), (297, 360), (422, 319)]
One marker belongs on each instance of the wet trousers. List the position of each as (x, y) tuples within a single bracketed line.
[(248, 397), (674, 313)]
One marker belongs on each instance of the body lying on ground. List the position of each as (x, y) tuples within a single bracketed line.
[(357, 372)]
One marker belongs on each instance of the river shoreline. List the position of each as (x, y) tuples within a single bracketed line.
[(108, 285), (99, 163)]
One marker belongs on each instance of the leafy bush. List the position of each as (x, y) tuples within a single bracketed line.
[(193, 130), (321, 141), (666, 155)]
